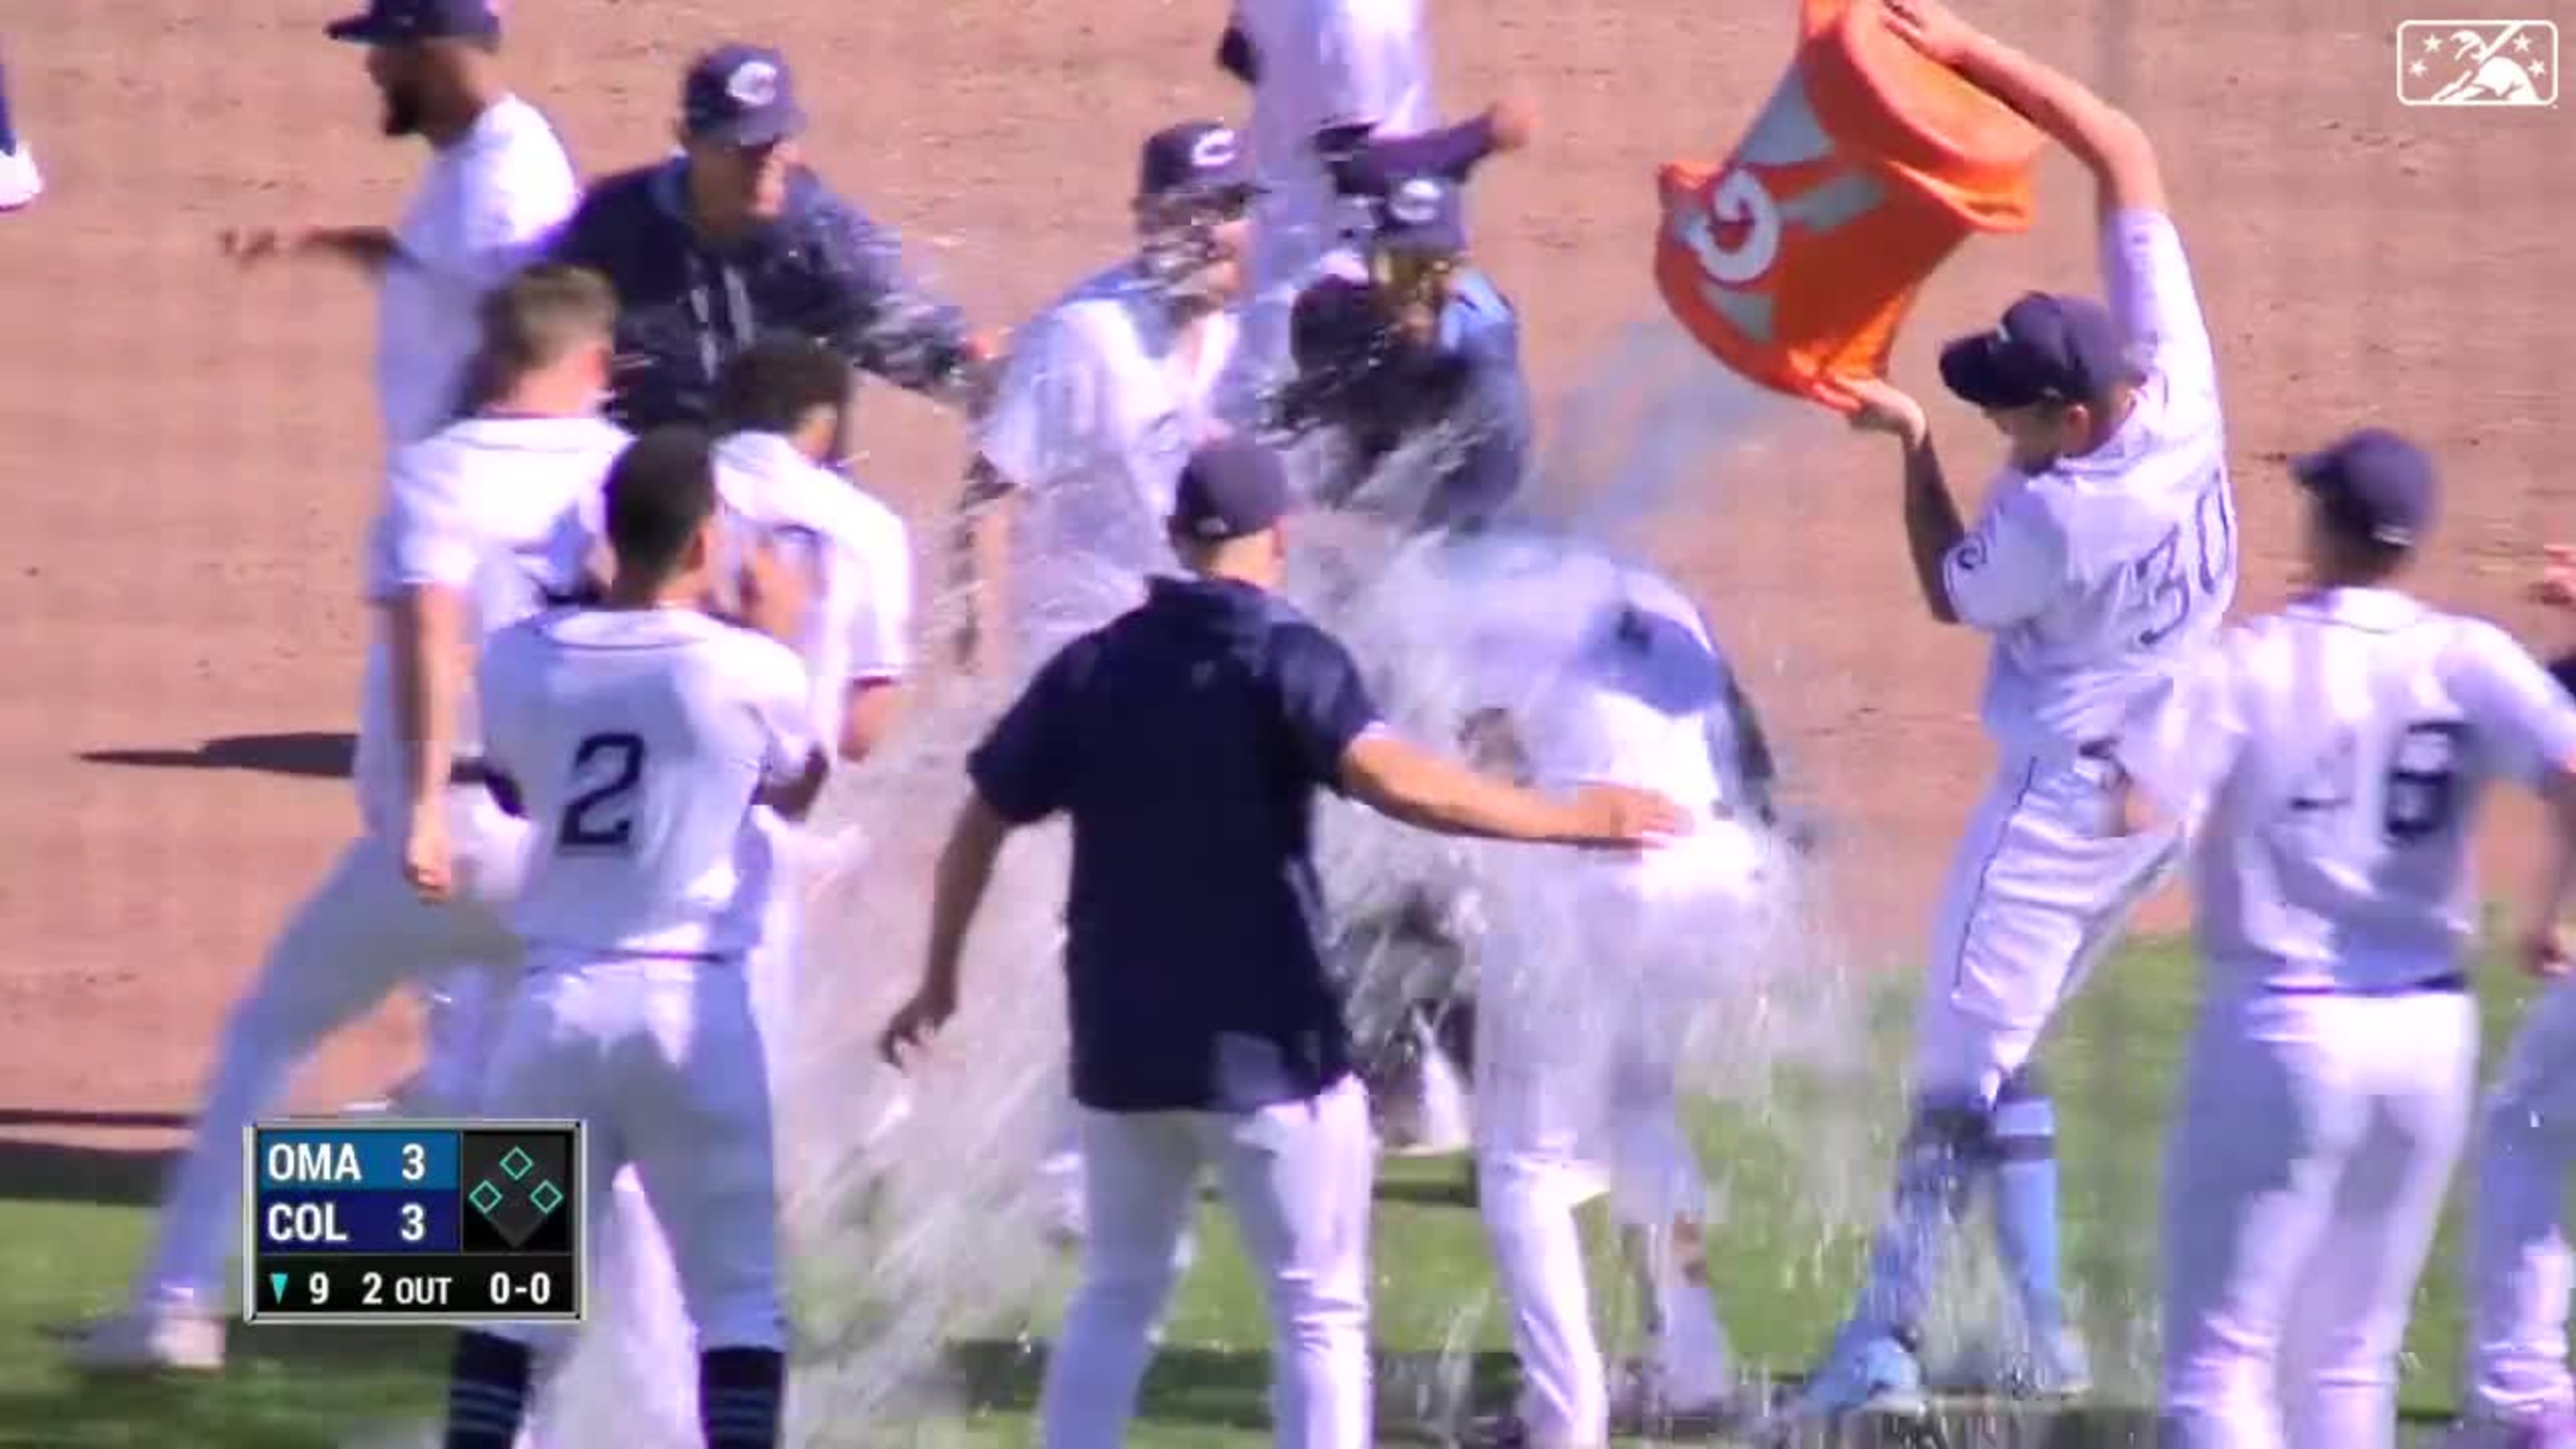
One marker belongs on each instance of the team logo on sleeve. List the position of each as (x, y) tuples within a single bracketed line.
[(2477, 63)]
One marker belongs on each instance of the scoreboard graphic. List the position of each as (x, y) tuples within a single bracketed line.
[(411, 1221)]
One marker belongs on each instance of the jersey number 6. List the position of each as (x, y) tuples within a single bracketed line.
[(602, 817)]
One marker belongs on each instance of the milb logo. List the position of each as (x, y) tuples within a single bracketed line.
[(2477, 63)]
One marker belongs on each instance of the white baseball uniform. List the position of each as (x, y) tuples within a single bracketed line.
[(858, 631), (1608, 675), (1099, 406), (2342, 747), (2099, 577), (502, 510), (2520, 1270), (639, 739), (484, 208), (1321, 63)]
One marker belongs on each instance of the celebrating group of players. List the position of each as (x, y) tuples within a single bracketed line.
[(616, 417)]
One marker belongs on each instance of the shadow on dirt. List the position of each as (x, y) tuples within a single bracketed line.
[(305, 754)]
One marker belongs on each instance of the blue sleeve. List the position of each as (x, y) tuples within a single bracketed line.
[(1495, 457), (1023, 768), (1322, 699), (876, 316), (585, 239)]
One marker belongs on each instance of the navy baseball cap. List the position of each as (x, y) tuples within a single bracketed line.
[(400, 22), (2047, 348), (1229, 489), (2374, 483), (1421, 213), (740, 95), (1194, 159)]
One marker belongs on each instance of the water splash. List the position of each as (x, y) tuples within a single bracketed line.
[(913, 1212)]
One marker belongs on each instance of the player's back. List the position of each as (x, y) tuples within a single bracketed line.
[(638, 740), (2361, 730), (1607, 671), (504, 510), (852, 549)]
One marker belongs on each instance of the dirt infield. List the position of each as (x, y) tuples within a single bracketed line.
[(189, 456)]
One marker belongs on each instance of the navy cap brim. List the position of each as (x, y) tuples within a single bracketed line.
[(369, 30), (1976, 375), (780, 123)]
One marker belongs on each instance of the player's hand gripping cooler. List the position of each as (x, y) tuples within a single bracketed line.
[(1794, 262)]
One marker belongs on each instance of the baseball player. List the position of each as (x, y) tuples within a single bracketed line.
[(2519, 1274), (735, 239), (1103, 398), (20, 182), (783, 406), (1205, 1029), (1315, 66), (1410, 382), (639, 736), (2336, 754), (2101, 563), (1580, 673), (498, 183), (484, 521)]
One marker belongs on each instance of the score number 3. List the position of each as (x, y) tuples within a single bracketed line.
[(2161, 569)]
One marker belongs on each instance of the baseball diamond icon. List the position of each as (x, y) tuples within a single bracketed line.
[(517, 1215)]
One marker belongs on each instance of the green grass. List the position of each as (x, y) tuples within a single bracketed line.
[(72, 1224)]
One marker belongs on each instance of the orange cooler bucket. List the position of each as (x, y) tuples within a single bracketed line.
[(1794, 262)]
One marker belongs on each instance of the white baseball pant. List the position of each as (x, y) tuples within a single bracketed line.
[(360, 936), (1576, 1063), (2303, 1182), (2520, 1271), (634, 1363), (2039, 892), (1297, 1177), (664, 1061)]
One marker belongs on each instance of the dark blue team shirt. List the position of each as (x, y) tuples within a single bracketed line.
[(1186, 740), (823, 270)]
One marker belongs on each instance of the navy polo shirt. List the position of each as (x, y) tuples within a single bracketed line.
[(1186, 741)]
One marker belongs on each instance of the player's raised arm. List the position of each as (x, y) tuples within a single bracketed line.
[(2102, 136), (2144, 272)]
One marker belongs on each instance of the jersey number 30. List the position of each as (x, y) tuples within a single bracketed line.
[(2167, 575), (601, 814)]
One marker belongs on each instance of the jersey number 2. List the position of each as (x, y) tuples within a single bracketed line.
[(602, 817)]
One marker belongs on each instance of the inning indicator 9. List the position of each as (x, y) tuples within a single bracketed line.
[(407, 1221)]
